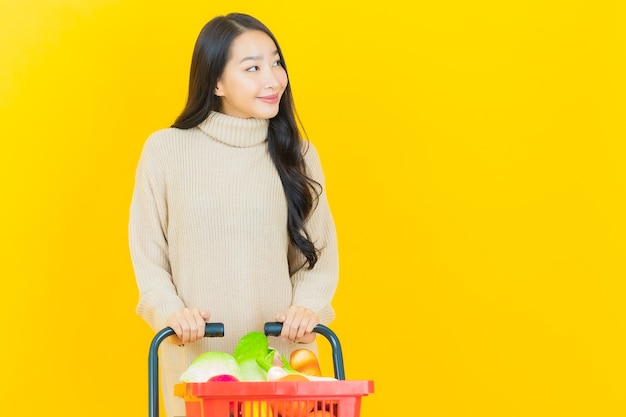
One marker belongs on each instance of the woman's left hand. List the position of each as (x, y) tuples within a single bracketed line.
[(298, 324)]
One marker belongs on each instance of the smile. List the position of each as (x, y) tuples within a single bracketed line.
[(271, 99)]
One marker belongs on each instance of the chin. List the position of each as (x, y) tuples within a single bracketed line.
[(266, 113)]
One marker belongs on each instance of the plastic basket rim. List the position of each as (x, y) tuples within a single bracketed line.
[(276, 389)]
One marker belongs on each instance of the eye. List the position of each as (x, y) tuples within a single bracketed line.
[(277, 64), (253, 69)]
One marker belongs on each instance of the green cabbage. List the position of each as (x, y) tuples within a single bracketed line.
[(250, 361), (251, 371), (251, 346), (210, 364)]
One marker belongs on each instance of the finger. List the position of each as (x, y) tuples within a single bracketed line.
[(184, 333), (309, 320), (296, 322), (302, 328), (304, 317), (285, 319), (309, 327), (295, 326), (178, 338), (305, 328), (287, 323), (196, 325), (284, 333), (298, 331), (188, 324), (201, 324), (174, 321), (205, 316)]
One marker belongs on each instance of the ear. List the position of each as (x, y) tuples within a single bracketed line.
[(218, 90)]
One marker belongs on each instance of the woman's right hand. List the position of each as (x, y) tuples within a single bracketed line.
[(189, 325)]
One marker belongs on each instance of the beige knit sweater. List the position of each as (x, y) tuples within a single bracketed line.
[(208, 229)]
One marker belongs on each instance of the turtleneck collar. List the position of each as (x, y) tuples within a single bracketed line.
[(235, 131)]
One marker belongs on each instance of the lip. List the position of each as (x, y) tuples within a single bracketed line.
[(271, 99)]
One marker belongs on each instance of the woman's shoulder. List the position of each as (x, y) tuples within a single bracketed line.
[(168, 138), (167, 135), (162, 143)]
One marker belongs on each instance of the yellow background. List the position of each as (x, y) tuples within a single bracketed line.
[(475, 159)]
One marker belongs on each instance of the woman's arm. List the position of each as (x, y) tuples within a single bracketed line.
[(313, 289), (148, 224)]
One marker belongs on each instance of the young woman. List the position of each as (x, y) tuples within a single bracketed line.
[(229, 219)]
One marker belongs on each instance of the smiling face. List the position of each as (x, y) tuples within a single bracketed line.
[(253, 80)]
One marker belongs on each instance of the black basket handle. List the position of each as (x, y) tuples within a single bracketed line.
[(217, 330), (211, 330), (274, 329)]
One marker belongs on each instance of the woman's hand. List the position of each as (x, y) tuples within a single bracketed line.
[(298, 324), (189, 325)]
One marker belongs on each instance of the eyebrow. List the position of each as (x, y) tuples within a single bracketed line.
[(257, 57)]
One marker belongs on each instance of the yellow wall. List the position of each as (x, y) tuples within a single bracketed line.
[(475, 159)]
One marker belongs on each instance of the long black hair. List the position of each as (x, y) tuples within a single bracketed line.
[(285, 144)]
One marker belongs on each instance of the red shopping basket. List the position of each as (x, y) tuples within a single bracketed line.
[(332, 398)]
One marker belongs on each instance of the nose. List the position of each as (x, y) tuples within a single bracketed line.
[(271, 81)]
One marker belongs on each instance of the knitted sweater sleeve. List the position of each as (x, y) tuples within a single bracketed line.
[(148, 240), (315, 288)]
